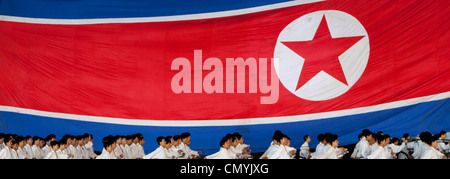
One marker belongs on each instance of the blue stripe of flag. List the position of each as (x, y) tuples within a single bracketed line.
[(87, 9)]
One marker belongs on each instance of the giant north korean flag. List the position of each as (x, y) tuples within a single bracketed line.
[(305, 67)]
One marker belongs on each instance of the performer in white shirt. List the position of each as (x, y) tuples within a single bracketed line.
[(27, 147), (379, 150), (291, 150), (406, 153), (47, 148), (127, 149), (331, 150), (53, 153), (161, 152), (234, 147), (62, 148), (73, 148), (420, 146), (356, 149), (140, 144), (118, 151), (245, 148), (184, 146), (81, 149), (5, 153), (304, 149), (272, 148), (224, 152), (89, 145), (174, 149), (134, 148), (320, 146), (364, 147), (240, 150), (66, 149), (21, 151), (14, 147), (395, 148), (109, 144), (273, 145), (441, 146), (432, 153), (124, 147), (429, 151), (38, 153), (283, 151), (70, 148), (2, 139)]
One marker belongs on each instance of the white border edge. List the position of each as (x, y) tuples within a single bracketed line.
[(229, 122)]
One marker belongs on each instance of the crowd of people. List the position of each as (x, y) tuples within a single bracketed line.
[(326, 149), (370, 146), (13, 146), (380, 146), (232, 147)]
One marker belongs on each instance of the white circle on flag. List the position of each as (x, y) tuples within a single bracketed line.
[(322, 86)]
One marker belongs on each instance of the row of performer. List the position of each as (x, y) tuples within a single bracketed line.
[(370, 146)]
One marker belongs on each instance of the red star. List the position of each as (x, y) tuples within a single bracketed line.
[(321, 54)]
